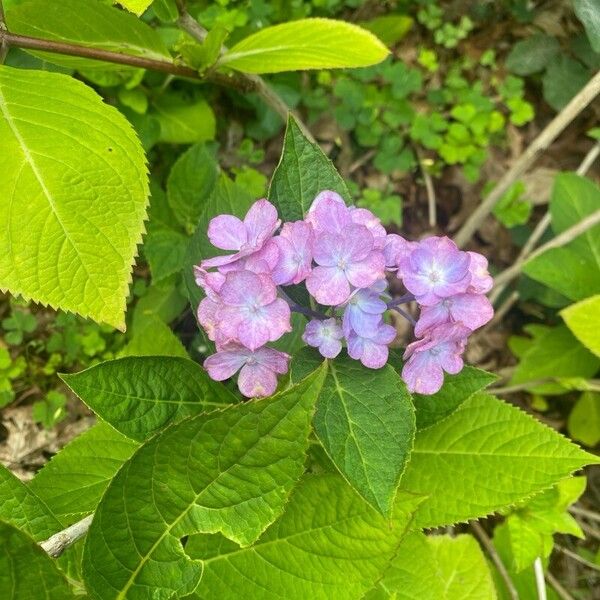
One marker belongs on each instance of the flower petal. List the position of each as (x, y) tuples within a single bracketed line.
[(256, 380), (260, 222), (224, 364), (227, 232), (422, 374), (328, 213), (374, 355), (366, 272), (328, 285)]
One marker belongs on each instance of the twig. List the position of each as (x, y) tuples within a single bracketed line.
[(589, 530), (294, 307), (540, 584), (255, 82), (541, 142), (3, 44), (408, 317), (431, 200), (560, 240), (489, 546), (576, 557), (520, 387), (582, 512), (544, 222), (59, 542), (558, 588)]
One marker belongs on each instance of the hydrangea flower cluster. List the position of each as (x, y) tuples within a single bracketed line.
[(345, 258)]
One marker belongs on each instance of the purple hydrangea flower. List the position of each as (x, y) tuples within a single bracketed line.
[(371, 350), (245, 237), (362, 216), (344, 259), (481, 280), (326, 335), (364, 309), (396, 249), (259, 368), (472, 310), (427, 359), (328, 213), (251, 313), (436, 269), (295, 245)]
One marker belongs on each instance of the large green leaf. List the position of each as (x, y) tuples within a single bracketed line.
[(303, 171), (584, 419), (72, 483), (190, 184), (151, 336), (456, 389), (532, 54), (328, 544), (305, 44), (228, 471), (583, 319), (588, 12), (26, 571), (135, 6), (73, 198), (554, 352), (141, 395), (484, 457), (87, 23), (572, 270), (366, 422), (184, 120)]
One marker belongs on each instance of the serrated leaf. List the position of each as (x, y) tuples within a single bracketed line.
[(191, 182), (20, 507), (485, 457), (75, 195), (583, 319), (135, 6), (365, 421), (228, 471), (141, 395), (588, 12), (72, 483), (456, 389), (226, 198), (305, 44), (328, 544), (303, 171), (554, 353), (87, 23), (532, 54), (26, 571)]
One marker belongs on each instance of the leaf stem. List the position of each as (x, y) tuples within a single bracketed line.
[(540, 584), (404, 299)]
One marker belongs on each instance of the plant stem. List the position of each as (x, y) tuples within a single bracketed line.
[(294, 307), (576, 557), (541, 142), (491, 550), (558, 588), (408, 317), (582, 512), (3, 44), (254, 82), (401, 300), (59, 542), (540, 584)]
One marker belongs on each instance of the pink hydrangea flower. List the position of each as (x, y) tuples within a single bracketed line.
[(371, 350), (328, 213), (295, 245), (326, 335), (427, 359), (246, 237), (481, 280), (472, 310), (251, 312), (362, 216), (344, 259), (259, 368), (436, 269), (396, 249)]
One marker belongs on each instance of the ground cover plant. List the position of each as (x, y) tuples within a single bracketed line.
[(299, 299)]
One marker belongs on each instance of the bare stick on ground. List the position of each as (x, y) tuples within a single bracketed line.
[(59, 542), (541, 142)]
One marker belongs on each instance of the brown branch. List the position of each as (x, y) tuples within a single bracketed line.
[(3, 44), (541, 142)]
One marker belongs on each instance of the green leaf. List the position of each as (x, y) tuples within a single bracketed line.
[(554, 353), (228, 471), (227, 198), (75, 195), (328, 544), (456, 389), (26, 571), (572, 270), (584, 419), (563, 78), (165, 249), (303, 171), (588, 12), (72, 483), (151, 336), (87, 23), (462, 568), (365, 421), (305, 44), (135, 6), (485, 457), (141, 395), (184, 120), (532, 54), (20, 507), (390, 29), (191, 181), (583, 319)]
